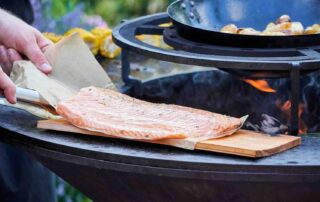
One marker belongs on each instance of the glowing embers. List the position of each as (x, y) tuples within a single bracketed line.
[(285, 107)]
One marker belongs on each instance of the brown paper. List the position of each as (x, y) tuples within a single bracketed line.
[(31, 108), (74, 67), (25, 75)]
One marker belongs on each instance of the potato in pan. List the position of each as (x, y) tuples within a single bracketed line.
[(283, 26)]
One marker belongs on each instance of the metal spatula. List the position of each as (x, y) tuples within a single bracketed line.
[(28, 95)]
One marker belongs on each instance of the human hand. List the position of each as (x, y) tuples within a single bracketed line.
[(16, 34), (18, 37), (7, 58)]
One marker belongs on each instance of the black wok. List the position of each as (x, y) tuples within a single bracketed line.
[(201, 20)]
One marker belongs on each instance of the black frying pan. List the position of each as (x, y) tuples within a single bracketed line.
[(201, 20)]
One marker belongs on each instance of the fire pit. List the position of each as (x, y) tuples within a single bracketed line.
[(108, 169), (117, 170), (245, 63)]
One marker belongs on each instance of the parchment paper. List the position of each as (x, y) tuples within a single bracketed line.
[(74, 67), (32, 108), (25, 75)]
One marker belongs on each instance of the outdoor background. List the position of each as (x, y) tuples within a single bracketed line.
[(60, 16)]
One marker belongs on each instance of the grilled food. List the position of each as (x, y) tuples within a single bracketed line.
[(314, 29), (249, 31), (231, 29), (282, 27), (121, 116)]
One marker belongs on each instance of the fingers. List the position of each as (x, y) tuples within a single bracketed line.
[(8, 87), (7, 58), (32, 44), (4, 60), (34, 53), (43, 42), (13, 55)]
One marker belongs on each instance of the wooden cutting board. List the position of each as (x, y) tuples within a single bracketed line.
[(242, 143)]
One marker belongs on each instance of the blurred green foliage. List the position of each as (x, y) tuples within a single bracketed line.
[(62, 7), (112, 11)]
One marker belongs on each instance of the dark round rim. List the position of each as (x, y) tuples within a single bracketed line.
[(124, 35)]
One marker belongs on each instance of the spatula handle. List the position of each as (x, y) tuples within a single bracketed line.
[(28, 95)]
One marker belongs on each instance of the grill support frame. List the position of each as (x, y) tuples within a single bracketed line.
[(247, 64), (295, 97)]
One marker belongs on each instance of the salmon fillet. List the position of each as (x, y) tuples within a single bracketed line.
[(119, 115)]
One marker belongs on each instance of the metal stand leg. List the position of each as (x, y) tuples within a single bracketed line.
[(295, 97), (135, 84), (125, 71)]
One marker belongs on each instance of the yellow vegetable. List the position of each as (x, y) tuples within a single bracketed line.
[(108, 48), (98, 39), (52, 37), (166, 24), (154, 40), (101, 32)]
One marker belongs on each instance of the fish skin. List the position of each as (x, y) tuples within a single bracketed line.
[(118, 115)]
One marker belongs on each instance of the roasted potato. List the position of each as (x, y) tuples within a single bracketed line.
[(249, 31), (230, 29), (314, 29), (282, 27)]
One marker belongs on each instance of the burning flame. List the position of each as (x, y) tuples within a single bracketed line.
[(261, 85), (286, 109)]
